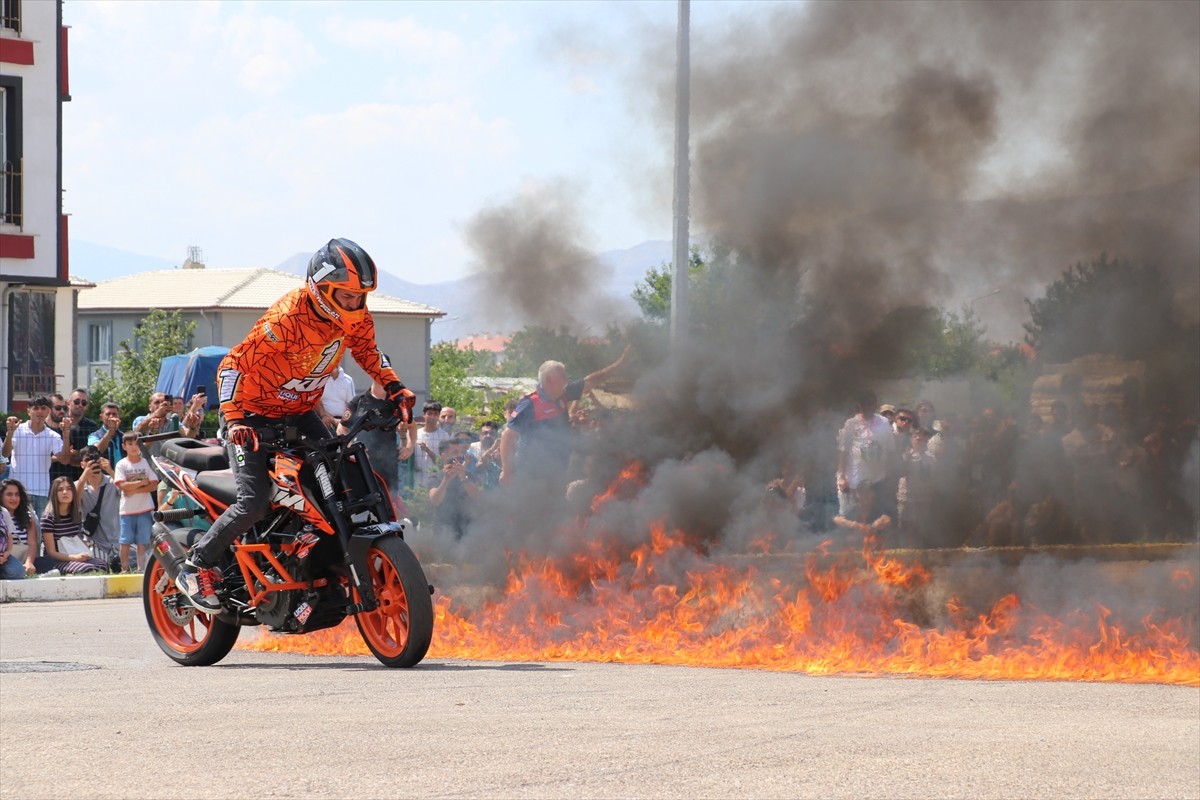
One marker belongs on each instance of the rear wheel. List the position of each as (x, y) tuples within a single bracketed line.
[(399, 630), (188, 636)]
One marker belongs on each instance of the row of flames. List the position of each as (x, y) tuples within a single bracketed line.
[(860, 612)]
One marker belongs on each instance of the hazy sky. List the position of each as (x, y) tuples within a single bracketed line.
[(256, 130)]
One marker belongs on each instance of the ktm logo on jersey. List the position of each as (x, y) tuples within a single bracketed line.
[(306, 384)]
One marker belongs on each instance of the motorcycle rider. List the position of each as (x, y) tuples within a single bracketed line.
[(277, 374)]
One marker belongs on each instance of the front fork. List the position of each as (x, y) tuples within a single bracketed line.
[(358, 544)]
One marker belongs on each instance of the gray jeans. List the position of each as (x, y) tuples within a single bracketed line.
[(254, 486)]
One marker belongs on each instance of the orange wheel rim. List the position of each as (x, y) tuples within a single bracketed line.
[(184, 630), (387, 625)]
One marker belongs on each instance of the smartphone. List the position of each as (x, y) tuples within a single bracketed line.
[(202, 390)]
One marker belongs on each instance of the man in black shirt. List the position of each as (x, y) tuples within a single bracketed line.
[(385, 448), (80, 429)]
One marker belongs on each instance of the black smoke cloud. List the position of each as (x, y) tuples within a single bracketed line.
[(533, 262), (856, 158)]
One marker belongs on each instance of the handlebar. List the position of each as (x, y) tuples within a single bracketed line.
[(374, 416), (174, 515)]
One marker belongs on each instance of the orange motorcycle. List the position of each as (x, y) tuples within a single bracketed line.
[(330, 547)]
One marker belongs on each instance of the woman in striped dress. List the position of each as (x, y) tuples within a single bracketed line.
[(62, 534), (25, 535)]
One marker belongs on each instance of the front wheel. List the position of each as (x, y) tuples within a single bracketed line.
[(187, 635), (398, 631)]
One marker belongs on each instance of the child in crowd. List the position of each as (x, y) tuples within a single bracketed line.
[(138, 484)]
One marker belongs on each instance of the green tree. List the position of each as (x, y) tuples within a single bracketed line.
[(449, 368), (927, 342), (1009, 373), (954, 345), (1106, 306), (158, 335), (532, 345), (653, 295)]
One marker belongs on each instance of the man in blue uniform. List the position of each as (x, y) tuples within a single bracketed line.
[(536, 443)]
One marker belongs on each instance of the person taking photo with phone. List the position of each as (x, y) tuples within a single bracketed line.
[(100, 507), (193, 415), (454, 495)]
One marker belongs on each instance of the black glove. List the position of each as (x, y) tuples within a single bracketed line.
[(402, 399)]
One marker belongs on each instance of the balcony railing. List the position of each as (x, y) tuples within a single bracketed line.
[(26, 385), (12, 196), (10, 15)]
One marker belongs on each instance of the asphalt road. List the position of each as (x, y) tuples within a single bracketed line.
[(127, 723)]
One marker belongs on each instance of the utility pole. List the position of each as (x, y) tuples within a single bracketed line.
[(679, 275)]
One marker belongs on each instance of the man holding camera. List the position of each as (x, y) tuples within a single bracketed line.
[(193, 415), (99, 508), (454, 495), (161, 419)]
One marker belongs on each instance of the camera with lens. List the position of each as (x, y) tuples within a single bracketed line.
[(91, 453)]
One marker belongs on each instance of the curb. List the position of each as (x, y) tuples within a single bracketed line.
[(75, 587)]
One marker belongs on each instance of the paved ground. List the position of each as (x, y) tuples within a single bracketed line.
[(132, 724)]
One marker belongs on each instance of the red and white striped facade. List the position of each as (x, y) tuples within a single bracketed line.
[(36, 316)]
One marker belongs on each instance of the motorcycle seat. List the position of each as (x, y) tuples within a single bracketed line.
[(220, 484), (195, 455)]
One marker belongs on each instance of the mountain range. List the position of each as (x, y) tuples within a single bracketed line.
[(622, 270)]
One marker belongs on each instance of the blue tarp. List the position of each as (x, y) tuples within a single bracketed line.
[(180, 375), (170, 373)]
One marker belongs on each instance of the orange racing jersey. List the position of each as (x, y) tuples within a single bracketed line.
[(283, 364)]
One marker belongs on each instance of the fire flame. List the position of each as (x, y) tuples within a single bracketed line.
[(859, 612)]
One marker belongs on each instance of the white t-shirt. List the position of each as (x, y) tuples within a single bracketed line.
[(869, 447), (338, 393), (141, 502), (421, 461), (32, 454)]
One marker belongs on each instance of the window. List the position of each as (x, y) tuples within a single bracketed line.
[(100, 343), (10, 149), (31, 343), (10, 15)]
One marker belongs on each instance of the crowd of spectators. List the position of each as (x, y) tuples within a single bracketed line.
[(77, 492), (1083, 476), (98, 516)]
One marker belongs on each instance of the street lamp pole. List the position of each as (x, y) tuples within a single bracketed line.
[(679, 275)]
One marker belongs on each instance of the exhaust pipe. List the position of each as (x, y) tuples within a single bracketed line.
[(166, 548)]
